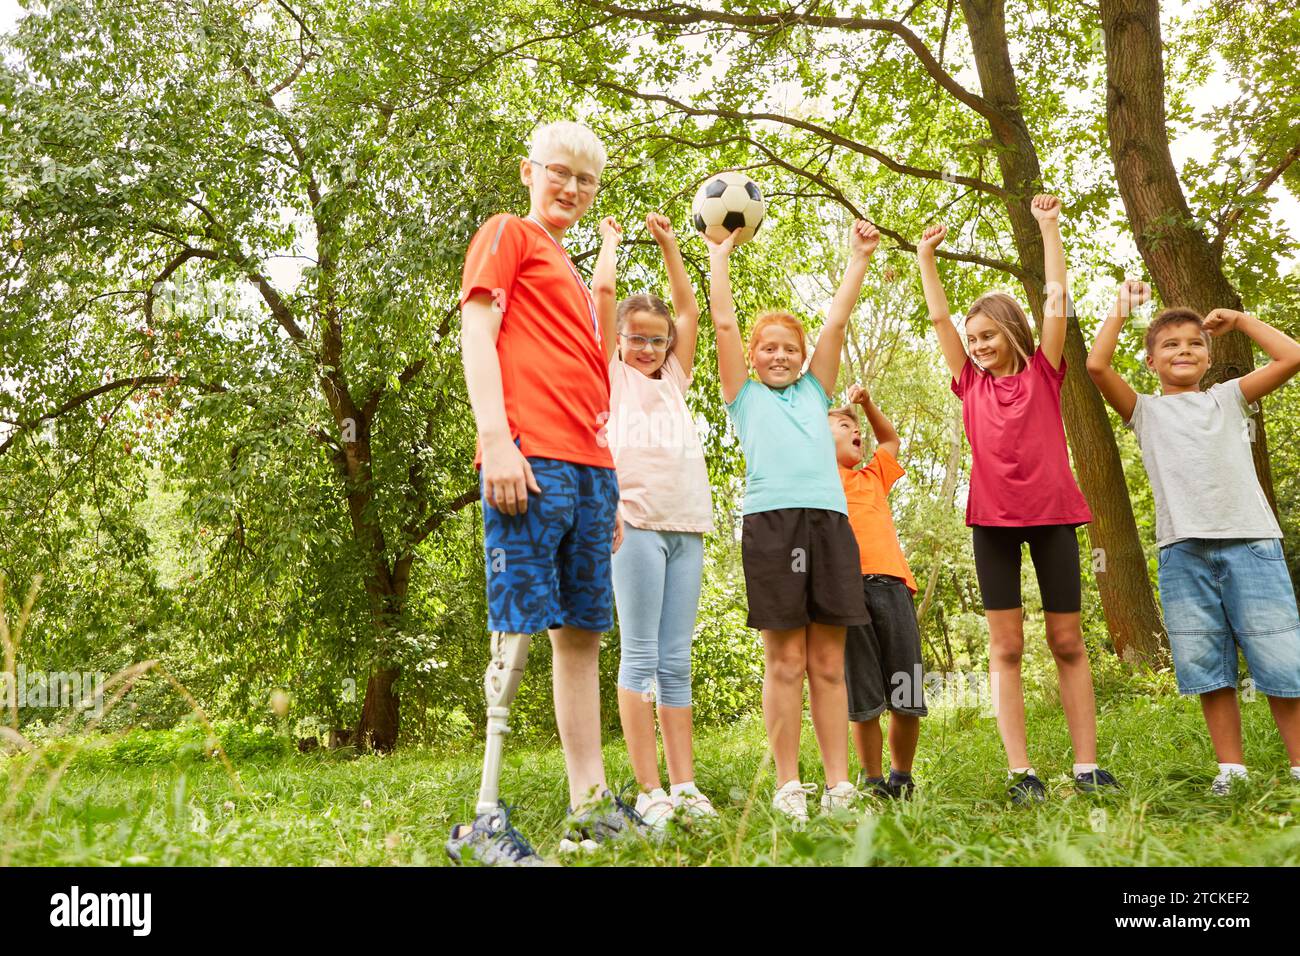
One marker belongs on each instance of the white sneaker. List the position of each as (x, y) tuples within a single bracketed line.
[(694, 804), (656, 808), (792, 800), (1222, 785), (842, 796)]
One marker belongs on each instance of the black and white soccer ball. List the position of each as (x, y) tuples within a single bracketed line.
[(728, 201)]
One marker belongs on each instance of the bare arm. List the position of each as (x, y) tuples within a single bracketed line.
[(685, 307), (1117, 392), (732, 368), (507, 476), (1283, 350), (604, 285), (1047, 210), (825, 363), (936, 300), (887, 437)]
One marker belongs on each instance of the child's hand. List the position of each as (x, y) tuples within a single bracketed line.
[(660, 228), (863, 238), (721, 250), (1222, 321), (858, 395), (1132, 293), (1046, 208), (930, 240), (610, 230)]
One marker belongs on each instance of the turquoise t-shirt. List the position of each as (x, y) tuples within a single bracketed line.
[(789, 451)]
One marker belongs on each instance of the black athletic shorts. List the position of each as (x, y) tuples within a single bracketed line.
[(1054, 549), (801, 565), (882, 660)]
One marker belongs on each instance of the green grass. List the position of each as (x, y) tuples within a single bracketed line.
[(179, 808)]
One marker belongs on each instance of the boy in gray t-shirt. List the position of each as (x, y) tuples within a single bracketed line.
[(1222, 574)]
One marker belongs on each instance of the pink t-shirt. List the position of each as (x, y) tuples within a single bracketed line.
[(662, 479), (1020, 466)]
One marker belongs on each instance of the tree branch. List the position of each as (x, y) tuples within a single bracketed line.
[(1261, 187)]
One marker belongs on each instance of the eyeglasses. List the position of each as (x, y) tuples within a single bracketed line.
[(560, 176), (639, 342)]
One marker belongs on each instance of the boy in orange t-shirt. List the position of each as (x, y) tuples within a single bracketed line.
[(882, 659)]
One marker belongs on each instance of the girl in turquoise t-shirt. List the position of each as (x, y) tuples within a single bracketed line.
[(799, 553)]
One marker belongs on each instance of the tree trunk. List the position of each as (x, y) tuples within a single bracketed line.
[(1117, 558), (378, 726), (1183, 262)]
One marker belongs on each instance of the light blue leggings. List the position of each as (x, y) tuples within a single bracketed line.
[(657, 590)]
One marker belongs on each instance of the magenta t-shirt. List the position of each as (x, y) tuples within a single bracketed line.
[(1020, 467)]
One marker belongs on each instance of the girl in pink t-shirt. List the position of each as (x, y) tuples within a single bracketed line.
[(666, 507), (1022, 491)]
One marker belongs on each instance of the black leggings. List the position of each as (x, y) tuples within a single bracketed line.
[(1053, 548)]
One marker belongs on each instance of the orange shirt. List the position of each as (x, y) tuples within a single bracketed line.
[(553, 372), (867, 490)]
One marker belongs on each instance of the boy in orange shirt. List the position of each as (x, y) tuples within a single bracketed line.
[(882, 659)]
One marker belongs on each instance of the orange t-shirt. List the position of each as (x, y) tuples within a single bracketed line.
[(867, 490), (553, 372)]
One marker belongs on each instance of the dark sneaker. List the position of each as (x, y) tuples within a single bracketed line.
[(900, 785), (491, 841), (1026, 789), (610, 819), (1096, 781), (874, 787)]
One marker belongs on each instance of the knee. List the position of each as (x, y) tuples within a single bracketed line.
[(787, 668), (675, 680), (1007, 650), (1066, 645), (826, 670)]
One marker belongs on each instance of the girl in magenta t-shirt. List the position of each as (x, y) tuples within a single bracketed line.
[(1022, 491)]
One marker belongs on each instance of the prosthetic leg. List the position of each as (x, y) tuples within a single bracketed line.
[(500, 684)]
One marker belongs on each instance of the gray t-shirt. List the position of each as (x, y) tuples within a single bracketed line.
[(1197, 450)]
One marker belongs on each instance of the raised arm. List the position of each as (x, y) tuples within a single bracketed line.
[(825, 363), (1117, 392), (732, 368), (1283, 350), (936, 301), (507, 476), (887, 436), (686, 309), (604, 287), (1047, 210)]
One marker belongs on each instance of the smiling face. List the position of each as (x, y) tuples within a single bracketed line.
[(1180, 356), (989, 346), (777, 355), (648, 325), (557, 206), (848, 440)]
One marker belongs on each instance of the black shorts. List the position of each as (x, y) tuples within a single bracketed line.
[(1054, 549), (801, 565), (882, 660)]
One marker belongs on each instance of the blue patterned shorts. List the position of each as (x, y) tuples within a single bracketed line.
[(550, 566)]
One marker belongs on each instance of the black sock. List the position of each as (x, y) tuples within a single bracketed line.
[(899, 775)]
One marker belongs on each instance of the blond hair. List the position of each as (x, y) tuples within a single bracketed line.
[(1005, 312), (570, 137)]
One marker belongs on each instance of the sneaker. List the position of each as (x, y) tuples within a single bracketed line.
[(1223, 783), (656, 808), (606, 820), (792, 800), (874, 787), (842, 796), (1027, 788), (1096, 781), (900, 785), (491, 841), (694, 804)]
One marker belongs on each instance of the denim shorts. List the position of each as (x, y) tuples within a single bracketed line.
[(1219, 595)]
